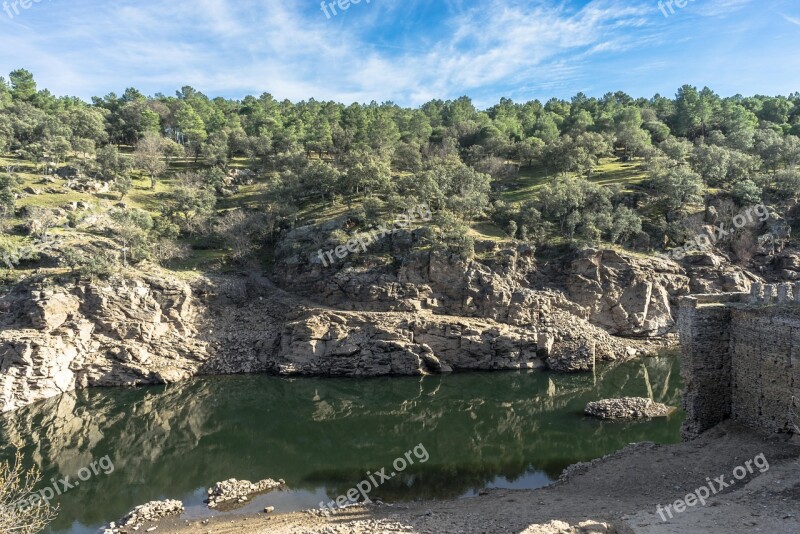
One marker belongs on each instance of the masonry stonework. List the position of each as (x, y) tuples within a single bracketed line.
[(741, 359)]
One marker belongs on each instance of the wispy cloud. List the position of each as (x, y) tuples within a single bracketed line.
[(716, 8), (793, 20), (407, 51)]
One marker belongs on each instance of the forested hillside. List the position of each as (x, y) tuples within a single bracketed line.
[(190, 182)]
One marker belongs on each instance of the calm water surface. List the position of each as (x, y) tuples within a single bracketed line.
[(506, 430)]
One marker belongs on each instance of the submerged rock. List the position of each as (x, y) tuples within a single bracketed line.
[(627, 408), (238, 491)]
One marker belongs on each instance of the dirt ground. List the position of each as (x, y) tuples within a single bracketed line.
[(621, 490)]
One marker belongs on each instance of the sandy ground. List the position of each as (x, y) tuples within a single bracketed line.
[(622, 490)]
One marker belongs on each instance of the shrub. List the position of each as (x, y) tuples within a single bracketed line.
[(94, 265), (40, 221), (123, 185), (10, 253), (165, 250), (16, 484), (373, 208), (787, 183), (453, 235), (189, 207), (131, 227), (746, 193), (241, 232)]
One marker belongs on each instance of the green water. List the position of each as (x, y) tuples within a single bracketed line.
[(509, 430)]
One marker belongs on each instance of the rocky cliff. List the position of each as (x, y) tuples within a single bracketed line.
[(622, 293), (631, 296), (431, 312)]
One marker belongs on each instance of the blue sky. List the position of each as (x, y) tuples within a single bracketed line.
[(406, 51)]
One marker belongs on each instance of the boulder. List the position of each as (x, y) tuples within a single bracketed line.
[(628, 408), (146, 513), (67, 172), (234, 491), (51, 310)]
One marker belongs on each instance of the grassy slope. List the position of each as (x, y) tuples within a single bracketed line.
[(523, 187), (610, 171)]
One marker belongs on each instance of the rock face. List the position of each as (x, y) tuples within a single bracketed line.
[(625, 297), (627, 408), (152, 511), (630, 296), (428, 312), (238, 491), (131, 332), (149, 329), (624, 294)]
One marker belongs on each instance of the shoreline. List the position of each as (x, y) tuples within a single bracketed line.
[(622, 490), (647, 348)]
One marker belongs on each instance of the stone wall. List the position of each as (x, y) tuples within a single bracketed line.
[(741, 358)]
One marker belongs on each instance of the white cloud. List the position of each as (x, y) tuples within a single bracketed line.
[(248, 46), (716, 8), (793, 20)]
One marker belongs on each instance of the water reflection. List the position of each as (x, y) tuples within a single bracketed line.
[(322, 435)]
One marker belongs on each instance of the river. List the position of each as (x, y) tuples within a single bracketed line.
[(321, 435)]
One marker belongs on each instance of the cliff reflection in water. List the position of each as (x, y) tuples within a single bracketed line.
[(506, 429)]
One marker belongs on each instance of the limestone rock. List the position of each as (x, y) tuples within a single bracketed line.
[(625, 296), (152, 511), (627, 408), (562, 527), (238, 491)]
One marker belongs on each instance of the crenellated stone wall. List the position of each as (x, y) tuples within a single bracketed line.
[(741, 358)]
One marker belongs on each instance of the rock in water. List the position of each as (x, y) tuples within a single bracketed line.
[(152, 511), (627, 408), (238, 491)]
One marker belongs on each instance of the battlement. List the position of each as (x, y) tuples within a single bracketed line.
[(768, 294), (741, 358), (760, 295)]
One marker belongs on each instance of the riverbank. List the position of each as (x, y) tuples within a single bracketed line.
[(622, 490)]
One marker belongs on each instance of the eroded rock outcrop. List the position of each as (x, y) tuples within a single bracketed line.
[(235, 491), (146, 513), (625, 294), (625, 297), (146, 329), (426, 312), (129, 332), (628, 408), (633, 296)]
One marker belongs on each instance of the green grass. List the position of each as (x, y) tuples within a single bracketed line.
[(200, 260), (317, 211), (615, 172), (489, 231), (249, 196), (526, 184), (610, 171)]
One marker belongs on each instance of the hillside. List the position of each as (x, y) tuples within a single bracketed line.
[(200, 185)]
